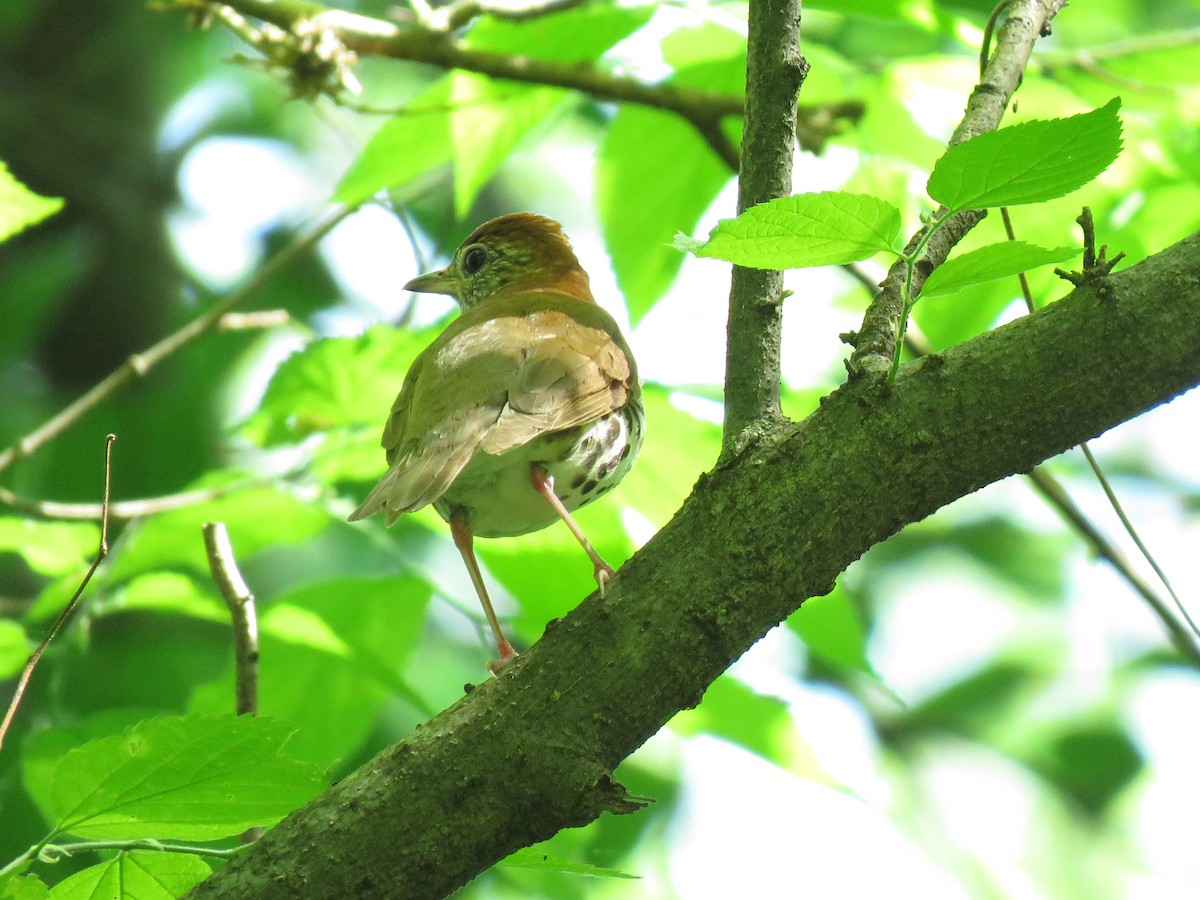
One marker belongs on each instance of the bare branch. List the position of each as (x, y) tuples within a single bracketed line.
[(240, 601), (69, 610), (139, 364), (123, 510)]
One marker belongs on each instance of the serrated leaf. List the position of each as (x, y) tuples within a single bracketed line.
[(137, 875), (532, 858), (20, 207), (333, 664), (804, 230), (989, 263), (22, 887), (180, 777), (1028, 162), (49, 548)]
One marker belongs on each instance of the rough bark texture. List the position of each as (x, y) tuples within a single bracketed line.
[(774, 72), (532, 751)]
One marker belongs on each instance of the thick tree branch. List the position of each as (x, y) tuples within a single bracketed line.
[(532, 751), (875, 343), (361, 35), (774, 72)]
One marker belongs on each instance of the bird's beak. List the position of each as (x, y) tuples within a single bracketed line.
[(443, 281)]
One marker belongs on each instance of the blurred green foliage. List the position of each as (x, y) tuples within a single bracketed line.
[(974, 642)]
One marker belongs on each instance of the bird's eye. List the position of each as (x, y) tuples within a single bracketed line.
[(474, 259)]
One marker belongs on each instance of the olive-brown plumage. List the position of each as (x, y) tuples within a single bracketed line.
[(525, 407)]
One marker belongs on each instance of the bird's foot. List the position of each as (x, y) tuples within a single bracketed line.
[(507, 655), (603, 575)]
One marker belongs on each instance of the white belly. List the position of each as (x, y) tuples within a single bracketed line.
[(496, 495)]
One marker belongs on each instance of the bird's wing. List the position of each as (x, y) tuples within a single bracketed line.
[(492, 382), (572, 372)]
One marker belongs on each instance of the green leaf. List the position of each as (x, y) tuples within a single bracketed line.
[(648, 147), (532, 858), (487, 120), (258, 518), (20, 207), (22, 887), (734, 711), (14, 648), (641, 147), (173, 593), (43, 750), (582, 34), (1028, 162), (329, 664), (411, 143), (991, 262), (441, 123), (804, 230), (183, 777), (334, 383), (137, 875), (831, 628), (50, 548)]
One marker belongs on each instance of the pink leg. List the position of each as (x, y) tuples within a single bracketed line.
[(543, 483), (465, 543)]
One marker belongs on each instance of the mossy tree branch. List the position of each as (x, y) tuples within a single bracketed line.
[(533, 751)]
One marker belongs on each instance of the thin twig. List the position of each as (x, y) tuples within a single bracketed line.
[(139, 364), (875, 342), (461, 12), (240, 600), (123, 510), (265, 318), (1049, 488), (69, 609), (1085, 58), (360, 35), (1056, 495)]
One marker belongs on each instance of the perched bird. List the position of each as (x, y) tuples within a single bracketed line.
[(525, 407)]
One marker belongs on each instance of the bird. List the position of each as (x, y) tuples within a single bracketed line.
[(524, 408)]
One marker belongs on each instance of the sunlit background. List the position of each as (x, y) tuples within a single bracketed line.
[(981, 709)]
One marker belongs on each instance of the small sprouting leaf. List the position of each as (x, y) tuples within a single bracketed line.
[(141, 874), (804, 230), (1028, 162), (180, 777), (989, 263), (20, 207)]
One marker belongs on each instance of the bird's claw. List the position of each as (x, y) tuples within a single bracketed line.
[(603, 574)]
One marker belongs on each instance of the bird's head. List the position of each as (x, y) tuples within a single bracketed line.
[(514, 253)]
